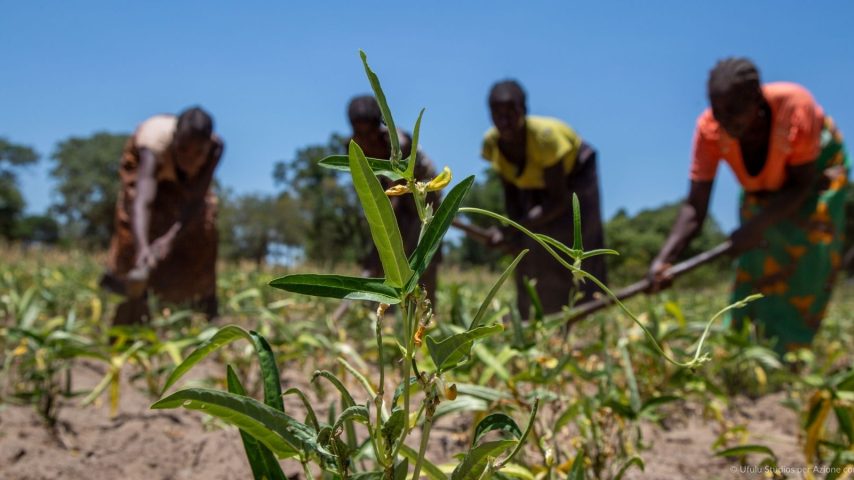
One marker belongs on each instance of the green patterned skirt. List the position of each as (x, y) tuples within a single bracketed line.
[(797, 265)]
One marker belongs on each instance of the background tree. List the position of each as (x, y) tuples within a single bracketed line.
[(335, 228), (87, 181), (37, 229), (12, 202), (251, 225)]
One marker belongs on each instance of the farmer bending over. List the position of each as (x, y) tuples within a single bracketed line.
[(541, 162), (165, 238), (790, 161)]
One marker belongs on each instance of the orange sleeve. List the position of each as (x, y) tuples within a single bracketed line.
[(804, 134), (705, 154)]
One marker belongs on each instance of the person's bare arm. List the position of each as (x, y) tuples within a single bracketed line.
[(146, 190), (688, 223), (559, 203)]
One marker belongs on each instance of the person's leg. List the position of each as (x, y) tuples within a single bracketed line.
[(133, 311)]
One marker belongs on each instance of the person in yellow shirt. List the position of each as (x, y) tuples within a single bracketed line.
[(541, 162)]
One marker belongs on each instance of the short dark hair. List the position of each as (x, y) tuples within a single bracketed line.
[(194, 123), (733, 75), (508, 89), (364, 108)]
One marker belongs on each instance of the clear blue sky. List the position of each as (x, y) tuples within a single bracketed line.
[(629, 76)]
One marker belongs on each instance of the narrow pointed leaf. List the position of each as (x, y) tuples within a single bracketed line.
[(576, 224), (476, 459), (223, 337), (636, 461), (261, 460), (377, 165), (285, 436), (431, 241), (527, 432), (338, 286), (484, 306), (413, 152), (269, 372), (496, 421), (358, 413), (576, 472), (312, 417), (450, 351), (396, 154), (381, 220), (338, 384), (743, 450)]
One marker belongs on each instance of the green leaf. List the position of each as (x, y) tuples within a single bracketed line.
[(844, 381), (484, 306), (528, 429), (261, 460), (516, 471), (655, 402), (636, 461), (338, 286), (477, 458), (463, 403), (449, 352), (429, 468), (269, 372), (311, 416), (338, 384), (479, 391), (743, 450), (576, 224), (846, 425), (396, 154), (431, 240), (496, 421), (378, 166), (413, 151), (536, 304), (223, 336), (381, 219), (358, 413), (393, 427), (282, 434), (576, 472)]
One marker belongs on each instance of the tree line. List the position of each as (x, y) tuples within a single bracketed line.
[(314, 211)]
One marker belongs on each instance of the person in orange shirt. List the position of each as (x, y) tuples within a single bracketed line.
[(791, 163)]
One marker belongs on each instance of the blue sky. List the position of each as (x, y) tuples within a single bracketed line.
[(629, 76)]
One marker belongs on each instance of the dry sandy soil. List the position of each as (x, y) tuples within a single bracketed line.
[(174, 445)]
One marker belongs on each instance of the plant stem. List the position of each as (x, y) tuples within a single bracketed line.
[(430, 403), (408, 313)]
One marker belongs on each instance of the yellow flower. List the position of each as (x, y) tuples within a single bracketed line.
[(441, 181)]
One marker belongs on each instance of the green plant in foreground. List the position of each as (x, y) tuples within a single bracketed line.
[(269, 433), (336, 447)]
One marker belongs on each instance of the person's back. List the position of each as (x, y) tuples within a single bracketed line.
[(542, 162), (165, 238)]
